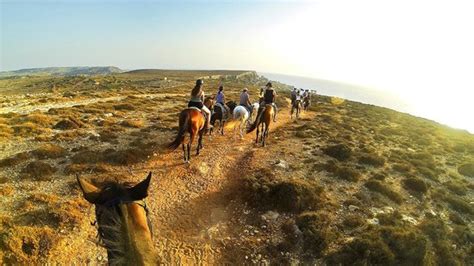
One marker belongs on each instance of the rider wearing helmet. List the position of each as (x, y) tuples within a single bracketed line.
[(197, 99), (268, 95)]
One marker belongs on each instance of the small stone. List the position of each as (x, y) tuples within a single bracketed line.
[(409, 219), (373, 221), (100, 258), (353, 208)]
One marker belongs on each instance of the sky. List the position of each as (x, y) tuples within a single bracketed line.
[(420, 50)]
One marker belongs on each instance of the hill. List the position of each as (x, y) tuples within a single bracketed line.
[(62, 71), (347, 183)]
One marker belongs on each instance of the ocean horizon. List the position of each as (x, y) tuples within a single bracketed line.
[(355, 93)]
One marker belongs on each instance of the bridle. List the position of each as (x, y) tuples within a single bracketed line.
[(119, 201)]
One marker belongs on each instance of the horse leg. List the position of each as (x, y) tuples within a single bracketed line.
[(200, 141), (184, 152), (222, 127), (258, 130)]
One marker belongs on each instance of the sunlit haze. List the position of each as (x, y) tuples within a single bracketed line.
[(421, 51)]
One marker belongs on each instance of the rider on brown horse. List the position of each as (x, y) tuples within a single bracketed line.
[(268, 96), (197, 99)]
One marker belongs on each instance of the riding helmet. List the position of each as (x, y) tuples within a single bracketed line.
[(199, 82), (269, 84)]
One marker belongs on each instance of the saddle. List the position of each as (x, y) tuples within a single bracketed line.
[(223, 109), (197, 109)]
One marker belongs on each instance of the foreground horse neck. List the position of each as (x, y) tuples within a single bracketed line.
[(135, 243)]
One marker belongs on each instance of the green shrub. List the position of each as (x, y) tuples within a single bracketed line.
[(366, 249), (415, 184), (372, 159), (341, 152), (315, 231), (466, 169), (379, 187), (289, 196)]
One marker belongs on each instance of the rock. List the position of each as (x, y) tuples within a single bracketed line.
[(353, 208), (270, 215), (387, 209), (100, 258), (373, 221), (203, 168), (108, 114), (281, 164), (409, 219), (430, 213)]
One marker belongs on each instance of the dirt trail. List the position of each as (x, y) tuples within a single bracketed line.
[(195, 208)]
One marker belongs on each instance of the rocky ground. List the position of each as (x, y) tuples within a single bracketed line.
[(347, 183)]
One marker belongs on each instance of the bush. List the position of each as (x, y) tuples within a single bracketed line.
[(415, 184), (372, 159), (15, 160), (379, 187), (39, 170), (466, 169), (69, 123), (49, 151), (409, 246), (132, 123), (347, 173), (456, 187), (366, 249), (289, 196), (124, 106), (402, 168), (315, 231), (340, 151)]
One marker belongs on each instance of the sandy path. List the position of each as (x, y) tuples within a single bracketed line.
[(193, 206)]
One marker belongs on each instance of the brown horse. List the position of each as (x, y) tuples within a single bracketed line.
[(264, 118), (192, 121), (122, 219)]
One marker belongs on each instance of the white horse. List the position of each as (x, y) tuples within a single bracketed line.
[(242, 117)]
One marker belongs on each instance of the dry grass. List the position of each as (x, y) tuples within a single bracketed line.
[(49, 151), (340, 151), (384, 189), (39, 170), (466, 169), (15, 160), (133, 123)]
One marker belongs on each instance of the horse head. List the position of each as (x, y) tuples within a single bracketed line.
[(122, 218)]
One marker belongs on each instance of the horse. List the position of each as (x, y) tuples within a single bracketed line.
[(122, 219), (296, 106), (306, 103), (264, 118), (222, 115), (242, 116), (192, 121)]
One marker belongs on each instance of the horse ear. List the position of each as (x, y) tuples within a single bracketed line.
[(91, 192), (140, 190)]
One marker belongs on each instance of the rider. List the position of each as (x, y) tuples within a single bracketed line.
[(293, 96), (245, 100), (268, 95), (197, 99), (220, 98)]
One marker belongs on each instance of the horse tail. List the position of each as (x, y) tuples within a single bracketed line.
[(183, 127), (255, 123)]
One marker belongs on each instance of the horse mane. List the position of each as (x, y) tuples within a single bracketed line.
[(110, 224)]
